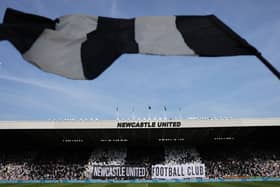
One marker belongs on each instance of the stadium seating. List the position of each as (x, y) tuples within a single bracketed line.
[(220, 161)]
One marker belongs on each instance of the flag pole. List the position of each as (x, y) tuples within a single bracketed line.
[(268, 65), (164, 115), (133, 114), (180, 113), (149, 108), (118, 114)]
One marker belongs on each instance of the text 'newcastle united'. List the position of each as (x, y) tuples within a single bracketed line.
[(149, 124)]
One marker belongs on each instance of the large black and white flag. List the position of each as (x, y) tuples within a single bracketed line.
[(82, 47)]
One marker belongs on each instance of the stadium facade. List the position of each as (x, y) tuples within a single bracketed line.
[(87, 132)]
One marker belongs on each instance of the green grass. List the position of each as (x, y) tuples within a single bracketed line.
[(212, 184)]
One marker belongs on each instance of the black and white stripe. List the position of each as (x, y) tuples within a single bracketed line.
[(82, 47)]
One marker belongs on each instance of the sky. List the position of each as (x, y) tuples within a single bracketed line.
[(237, 87)]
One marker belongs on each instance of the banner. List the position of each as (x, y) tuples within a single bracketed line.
[(185, 171), (120, 172), (159, 171)]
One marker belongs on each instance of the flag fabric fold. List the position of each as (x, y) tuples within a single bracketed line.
[(82, 47)]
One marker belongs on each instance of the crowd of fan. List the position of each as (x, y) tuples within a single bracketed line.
[(48, 171), (41, 166), (180, 155), (243, 163), (108, 156), (78, 165)]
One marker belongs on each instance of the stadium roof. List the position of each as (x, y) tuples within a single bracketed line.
[(136, 124), (147, 132)]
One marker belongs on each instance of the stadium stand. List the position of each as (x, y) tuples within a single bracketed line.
[(223, 162), (242, 162), (145, 155), (227, 149), (181, 155)]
